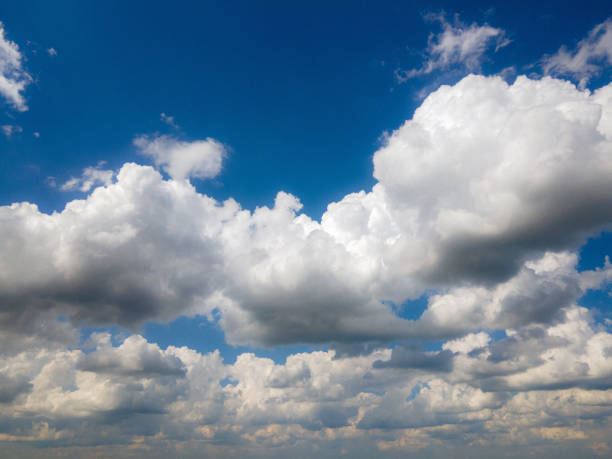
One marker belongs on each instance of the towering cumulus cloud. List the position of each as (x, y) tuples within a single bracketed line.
[(487, 175), (482, 200)]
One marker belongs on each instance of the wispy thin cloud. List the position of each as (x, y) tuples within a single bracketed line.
[(169, 120), (587, 59), (456, 45)]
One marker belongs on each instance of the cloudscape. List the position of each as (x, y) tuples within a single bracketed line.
[(257, 230)]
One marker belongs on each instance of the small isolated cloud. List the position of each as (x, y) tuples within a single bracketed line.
[(13, 78), (169, 120), (587, 59), (456, 45), (52, 52), (8, 130), (92, 176), (36, 135), (182, 160)]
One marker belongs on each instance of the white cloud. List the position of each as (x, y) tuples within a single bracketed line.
[(13, 77), (437, 403), (468, 343), (536, 294), (456, 45), (474, 191), (570, 353), (182, 160), (9, 129), (92, 176), (144, 248), (134, 249), (52, 52), (482, 200), (487, 174), (135, 357), (169, 120), (136, 393), (589, 57), (179, 391)]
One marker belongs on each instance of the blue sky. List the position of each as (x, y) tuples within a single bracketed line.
[(366, 228)]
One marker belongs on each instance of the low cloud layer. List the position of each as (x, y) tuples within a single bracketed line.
[(538, 384)]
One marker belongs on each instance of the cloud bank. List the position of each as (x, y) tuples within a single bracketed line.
[(482, 200), (485, 179)]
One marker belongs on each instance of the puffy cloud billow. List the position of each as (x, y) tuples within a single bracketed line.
[(482, 202), (180, 159)]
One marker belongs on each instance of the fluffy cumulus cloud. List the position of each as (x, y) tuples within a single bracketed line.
[(129, 252), (486, 175), (588, 58), (482, 200), (180, 159), (13, 77), (136, 396), (537, 294), (456, 45)]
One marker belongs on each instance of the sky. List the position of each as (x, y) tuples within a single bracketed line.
[(279, 229)]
